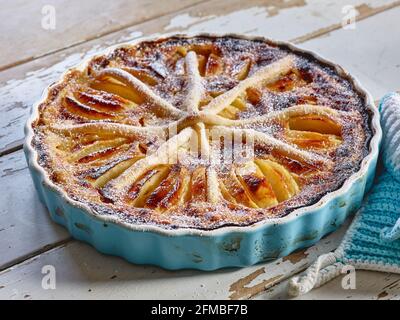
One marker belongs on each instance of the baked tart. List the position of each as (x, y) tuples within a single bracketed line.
[(201, 132)]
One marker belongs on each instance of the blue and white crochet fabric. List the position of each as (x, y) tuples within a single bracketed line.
[(373, 239)]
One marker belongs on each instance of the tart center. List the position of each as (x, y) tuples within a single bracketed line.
[(256, 183)]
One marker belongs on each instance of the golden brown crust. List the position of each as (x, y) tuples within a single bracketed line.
[(102, 134)]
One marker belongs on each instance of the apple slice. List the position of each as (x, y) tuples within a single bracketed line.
[(214, 65), (114, 172), (96, 147), (239, 104), (315, 123), (235, 190), (229, 112), (313, 140), (141, 189), (243, 69), (170, 191), (114, 86), (256, 185), (199, 185), (282, 182)]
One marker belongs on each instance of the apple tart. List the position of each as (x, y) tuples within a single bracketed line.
[(201, 132)]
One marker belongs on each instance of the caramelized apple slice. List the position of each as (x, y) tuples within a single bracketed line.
[(199, 185), (257, 185), (171, 191), (225, 193), (102, 101), (234, 188), (315, 123), (114, 86), (181, 50), (79, 141), (142, 75), (87, 111), (232, 110), (313, 140), (254, 95), (114, 172), (96, 147), (202, 60), (204, 49), (214, 65), (239, 103), (229, 112), (141, 189), (243, 69), (282, 182), (288, 82)]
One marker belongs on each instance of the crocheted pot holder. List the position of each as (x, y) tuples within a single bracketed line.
[(373, 239)]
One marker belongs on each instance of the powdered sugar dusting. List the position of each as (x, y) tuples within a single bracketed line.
[(165, 132)]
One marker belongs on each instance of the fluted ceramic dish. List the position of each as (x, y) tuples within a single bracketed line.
[(226, 246)]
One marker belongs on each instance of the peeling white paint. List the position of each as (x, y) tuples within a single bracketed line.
[(289, 23), (367, 52), (184, 21), (251, 17), (129, 37)]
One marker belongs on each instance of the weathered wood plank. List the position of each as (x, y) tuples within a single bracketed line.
[(369, 286), (294, 20), (23, 84), (75, 21), (25, 227), (370, 51), (83, 273)]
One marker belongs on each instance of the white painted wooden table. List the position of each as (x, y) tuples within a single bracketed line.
[(31, 57)]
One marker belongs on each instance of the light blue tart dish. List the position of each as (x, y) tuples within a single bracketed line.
[(230, 246)]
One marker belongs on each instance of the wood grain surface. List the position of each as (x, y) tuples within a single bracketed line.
[(27, 35)]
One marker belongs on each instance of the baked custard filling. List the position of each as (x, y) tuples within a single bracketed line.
[(201, 132)]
